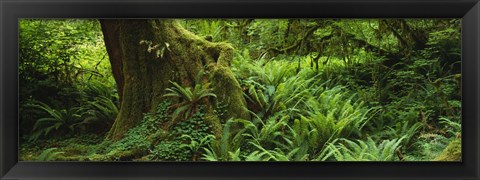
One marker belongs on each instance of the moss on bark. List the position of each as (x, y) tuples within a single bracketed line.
[(453, 152), (154, 52), (229, 93)]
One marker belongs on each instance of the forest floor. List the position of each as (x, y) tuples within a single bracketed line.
[(71, 148)]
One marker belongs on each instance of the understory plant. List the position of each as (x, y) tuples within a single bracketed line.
[(190, 98), (55, 121), (364, 150)]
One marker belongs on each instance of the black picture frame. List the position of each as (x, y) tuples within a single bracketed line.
[(12, 10)]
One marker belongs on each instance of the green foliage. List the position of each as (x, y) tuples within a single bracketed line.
[(208, 28), (140, 137), (427, 147), (403, 130), (434, 146), (317, 90), (93, 89), (57, 54), (49, 154), (190, 99), (368, 150), (336, 114), (56, 120), (282, 138), (170, 151), (185, 148), (451, 127), (184, 141), (97, 113), (59, 60), (195, 146), (102, 110), (223, 148)]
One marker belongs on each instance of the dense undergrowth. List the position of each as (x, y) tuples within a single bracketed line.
[(344, 103)]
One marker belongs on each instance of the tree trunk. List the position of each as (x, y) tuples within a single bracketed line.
[(146, 54)]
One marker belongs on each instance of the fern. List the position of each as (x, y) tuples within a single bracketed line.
[(347, 150), (194, 145), (230, 142), (190, 99), (99, 89), (453, 128), (102, 109), (57, 120), (49, 154), (334, 115)]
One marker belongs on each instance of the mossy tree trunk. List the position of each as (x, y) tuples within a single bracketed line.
[(146, 54)]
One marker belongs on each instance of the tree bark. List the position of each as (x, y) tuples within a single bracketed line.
[(112, 44), (143, 70)]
